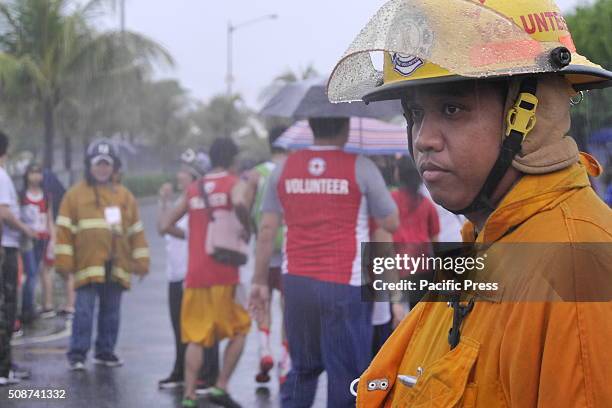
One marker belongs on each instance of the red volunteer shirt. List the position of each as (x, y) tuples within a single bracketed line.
[(202, 270), (325, 214)]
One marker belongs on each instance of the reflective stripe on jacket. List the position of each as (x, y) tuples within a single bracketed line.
[(85, 241)]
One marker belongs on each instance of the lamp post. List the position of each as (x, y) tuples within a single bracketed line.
[(230, 33), (122, 15)]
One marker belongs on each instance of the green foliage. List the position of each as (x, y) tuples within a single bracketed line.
[(222, 116), (592, 114), (65, 80), (146, 185), (591, 28), (253, 148), (163, 112), (53, 62)]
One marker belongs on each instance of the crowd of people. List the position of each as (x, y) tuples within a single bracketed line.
[(493, 150), (307, 249), (93, 237)]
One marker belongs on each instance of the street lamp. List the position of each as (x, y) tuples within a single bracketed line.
[(230, 32), (122, 16)]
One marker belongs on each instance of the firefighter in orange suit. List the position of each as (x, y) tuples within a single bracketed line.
[(486, 88)]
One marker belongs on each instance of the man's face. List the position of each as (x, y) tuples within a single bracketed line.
[(102, 171), (456, 138)]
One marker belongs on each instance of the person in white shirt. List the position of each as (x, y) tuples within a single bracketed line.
[(11, 235)]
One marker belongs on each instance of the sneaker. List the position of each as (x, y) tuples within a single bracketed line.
[(20, 373), (221, 397), (203, 388), (77, 365), (66, 314), (189, 403), (265, 365), (47, 314), (108, 360), (17, 334), (283, 369), (10, 380), (173, 381)]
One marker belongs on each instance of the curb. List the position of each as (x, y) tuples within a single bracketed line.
[(65, 332)]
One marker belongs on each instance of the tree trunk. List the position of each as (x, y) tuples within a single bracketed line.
[(68, 156), (67, 153), (49, 124)]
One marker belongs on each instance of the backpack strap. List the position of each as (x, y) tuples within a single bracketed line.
[(204, 196)]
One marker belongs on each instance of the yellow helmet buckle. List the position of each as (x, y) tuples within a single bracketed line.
[(522, 116)]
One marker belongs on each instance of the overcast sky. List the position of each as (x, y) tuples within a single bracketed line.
[(194, 31)]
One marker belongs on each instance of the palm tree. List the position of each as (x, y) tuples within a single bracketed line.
[(221, 116), (287, 77), (52, 59), (164, 112)]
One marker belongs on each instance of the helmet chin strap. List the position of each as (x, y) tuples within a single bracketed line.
[(520, 120)]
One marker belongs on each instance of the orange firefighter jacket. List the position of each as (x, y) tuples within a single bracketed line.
[(536, 354), (90, 233)]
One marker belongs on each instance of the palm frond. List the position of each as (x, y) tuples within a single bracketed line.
[(7, 13), (96, 8)]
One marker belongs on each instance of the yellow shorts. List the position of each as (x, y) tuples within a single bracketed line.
[(209, 315)]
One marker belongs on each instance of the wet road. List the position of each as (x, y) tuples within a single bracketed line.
[(145, 344)]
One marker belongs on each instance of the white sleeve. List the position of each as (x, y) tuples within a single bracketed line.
[(5, 189)]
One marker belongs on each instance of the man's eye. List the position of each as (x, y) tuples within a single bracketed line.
[(451, 110)]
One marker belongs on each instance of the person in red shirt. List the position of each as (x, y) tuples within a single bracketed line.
[(419, 222), (418, 217), (326, 197), (209, 312)]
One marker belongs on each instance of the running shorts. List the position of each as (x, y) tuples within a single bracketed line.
[(209, 315)]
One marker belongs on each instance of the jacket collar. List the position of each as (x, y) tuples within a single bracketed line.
[(532, 195)]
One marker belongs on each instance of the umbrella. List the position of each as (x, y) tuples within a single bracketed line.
[(308, 99), (366, 136)]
